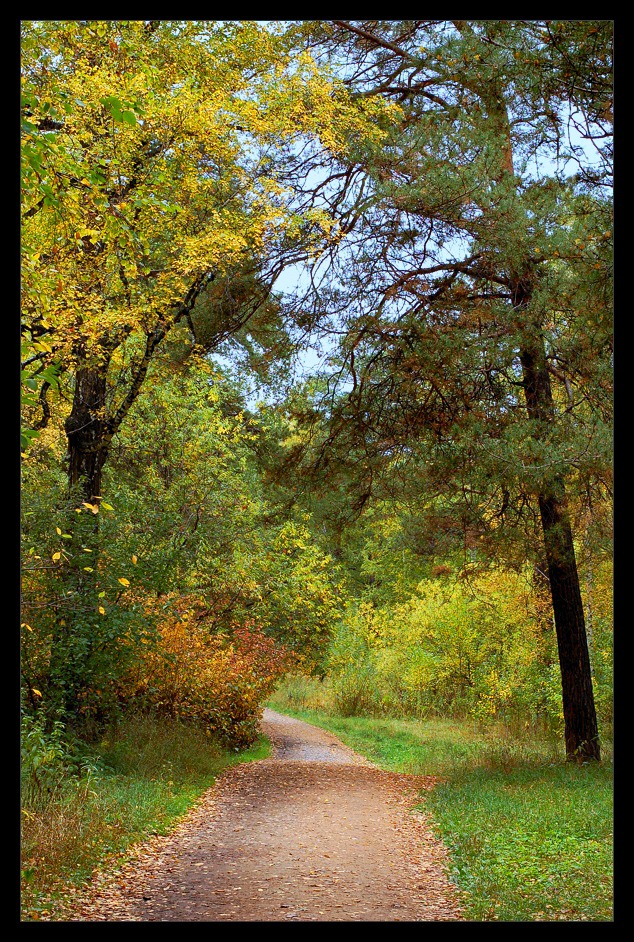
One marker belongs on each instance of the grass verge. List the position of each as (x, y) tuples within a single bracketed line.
[(136, 783), (529, 835)]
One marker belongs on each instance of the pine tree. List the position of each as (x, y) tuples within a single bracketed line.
[(472, 285)]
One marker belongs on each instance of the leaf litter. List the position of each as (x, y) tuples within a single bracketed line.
[(314, 833)]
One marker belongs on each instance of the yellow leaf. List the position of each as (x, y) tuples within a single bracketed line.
[(134, 559), (24, 625), (56, 556), (58, 531), (88, 569), (102, 610), (93, 507), (106, 506), (124, 582), (36, 692)]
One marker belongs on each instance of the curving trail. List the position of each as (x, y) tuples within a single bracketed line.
[(314, 833)]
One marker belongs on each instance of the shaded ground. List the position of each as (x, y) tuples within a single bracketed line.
[(314, 833)]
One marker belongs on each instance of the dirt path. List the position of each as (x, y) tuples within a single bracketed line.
[(315, 833)]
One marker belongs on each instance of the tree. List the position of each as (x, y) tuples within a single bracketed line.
[(472, 287), (150, 170), (150, 175)]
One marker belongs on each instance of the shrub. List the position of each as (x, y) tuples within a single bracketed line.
[(298, 691), (219, 681), (484, 650), (46, 761)]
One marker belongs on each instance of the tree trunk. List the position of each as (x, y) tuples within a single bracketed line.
[(580, 721), (88, 433), (89, 436)]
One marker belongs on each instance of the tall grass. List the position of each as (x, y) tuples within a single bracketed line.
[(79, 813)]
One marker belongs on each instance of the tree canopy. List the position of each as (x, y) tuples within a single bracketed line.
[(440, 192)]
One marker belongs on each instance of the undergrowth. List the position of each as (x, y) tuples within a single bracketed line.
[(84, 807)]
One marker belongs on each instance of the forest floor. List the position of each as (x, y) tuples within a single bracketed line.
[(313, 833)]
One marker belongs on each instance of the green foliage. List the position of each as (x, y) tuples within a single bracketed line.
[(198, 515), (482, 647), (184, 523), (74, 650), (48, 762), (469, 380)]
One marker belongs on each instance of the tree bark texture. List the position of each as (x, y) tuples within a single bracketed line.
[(580, 721), (87, 432)]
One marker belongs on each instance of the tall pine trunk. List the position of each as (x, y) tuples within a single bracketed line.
[(580, 720)]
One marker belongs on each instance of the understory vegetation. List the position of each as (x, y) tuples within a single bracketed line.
[(478, 645), (83, 808)]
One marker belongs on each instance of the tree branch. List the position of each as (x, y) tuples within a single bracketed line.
[(378, 41)]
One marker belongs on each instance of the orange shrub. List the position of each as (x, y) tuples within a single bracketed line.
[(219, 681)]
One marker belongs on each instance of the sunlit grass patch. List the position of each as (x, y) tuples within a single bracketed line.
[(531, 844)]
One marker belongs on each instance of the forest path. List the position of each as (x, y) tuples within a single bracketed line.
[(314, 833)]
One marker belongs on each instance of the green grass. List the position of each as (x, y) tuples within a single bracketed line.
[(529, 835), (532, 843), (145, 776)]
